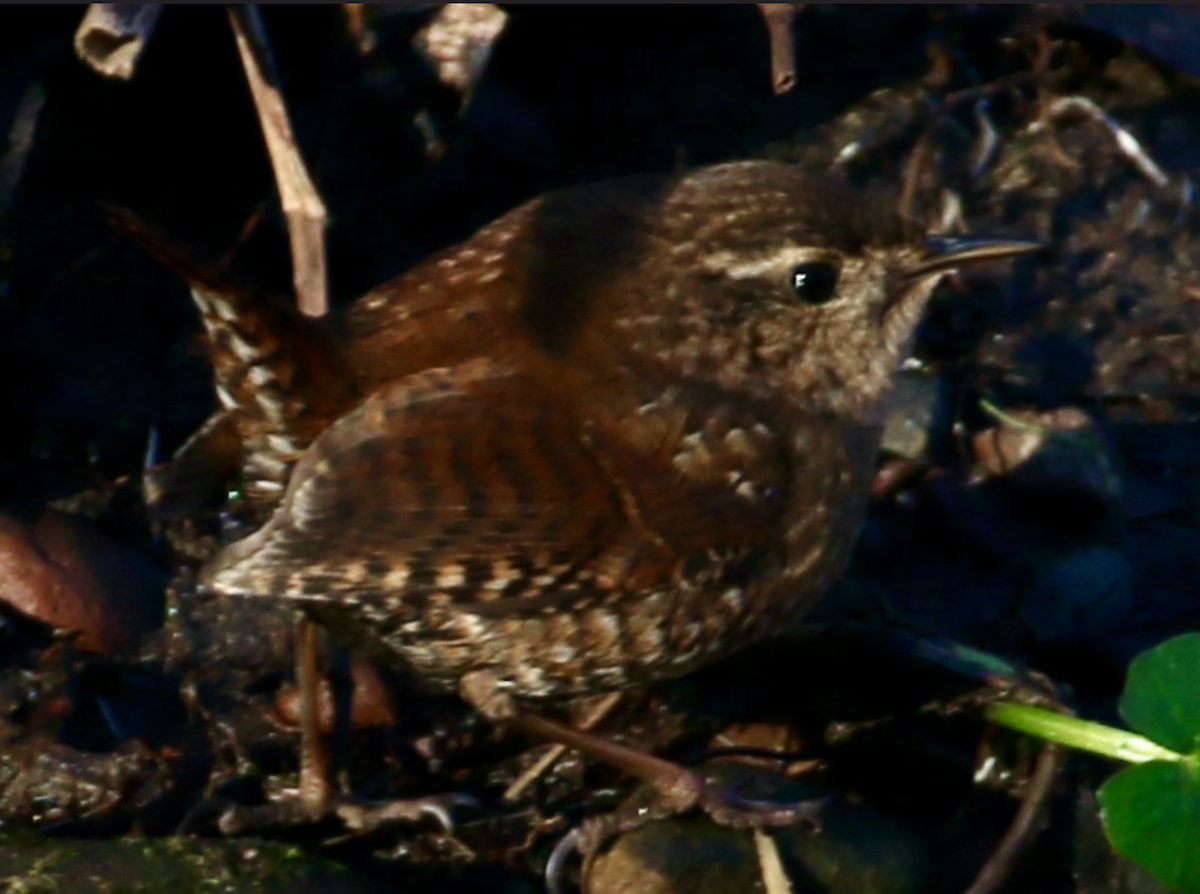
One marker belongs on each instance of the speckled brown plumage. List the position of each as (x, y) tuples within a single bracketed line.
[(604, 441)]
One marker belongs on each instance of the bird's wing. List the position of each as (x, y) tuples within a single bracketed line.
[(482, 486)]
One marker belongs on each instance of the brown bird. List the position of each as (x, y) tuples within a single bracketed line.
[(624, 430)]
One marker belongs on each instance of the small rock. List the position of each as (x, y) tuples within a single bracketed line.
[(858, 851)]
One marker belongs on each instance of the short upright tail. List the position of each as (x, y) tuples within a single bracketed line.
[(281, 378)]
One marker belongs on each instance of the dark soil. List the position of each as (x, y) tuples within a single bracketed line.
[(1066, 554)]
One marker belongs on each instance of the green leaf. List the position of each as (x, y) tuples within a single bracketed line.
[(1151, 813), (1082, 734), (1162, 694)]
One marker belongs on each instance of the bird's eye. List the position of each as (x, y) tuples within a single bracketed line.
[(814, 282)]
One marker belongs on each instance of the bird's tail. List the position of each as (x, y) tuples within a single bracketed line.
[(280, 377)]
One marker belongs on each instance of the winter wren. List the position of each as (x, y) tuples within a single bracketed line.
[(620, 432)]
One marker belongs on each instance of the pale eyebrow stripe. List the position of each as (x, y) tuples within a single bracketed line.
[(749, 268)]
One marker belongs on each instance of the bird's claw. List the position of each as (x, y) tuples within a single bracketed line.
[(727, 808), (355, 816), (368, 817)]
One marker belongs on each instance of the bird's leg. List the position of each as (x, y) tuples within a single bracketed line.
[(317, 794), (679, 788), (597, 710), (315, 791), (313, 799), (316, 797)]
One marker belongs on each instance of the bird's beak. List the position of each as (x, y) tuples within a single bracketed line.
[(942, 254), (948, 252)]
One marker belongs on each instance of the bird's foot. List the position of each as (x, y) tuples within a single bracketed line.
[(726, 807), (674, 790), (667, 797), (679, 789), (688, 790), (362, 817), (355, 816)]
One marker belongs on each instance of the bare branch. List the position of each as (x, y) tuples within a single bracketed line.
[(778, 17), (302, 206)]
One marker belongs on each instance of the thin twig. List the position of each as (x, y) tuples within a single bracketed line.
[(1126, 142), (774, 876), (985, 148), (778, 18), (358, 27), (112, 36), (1001, 85), (252, 222), (999, 865), (913, 173), (302, 206)]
